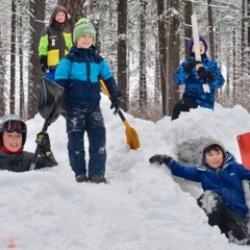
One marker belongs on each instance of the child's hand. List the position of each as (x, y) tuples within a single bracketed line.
[(205, 74), (160, 159), (116, 101), (191, 64)]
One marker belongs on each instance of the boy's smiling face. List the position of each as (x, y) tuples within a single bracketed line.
[(85, 41), (12, 140), (60, 17)]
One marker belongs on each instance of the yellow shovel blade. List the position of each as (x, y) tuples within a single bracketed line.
[(132, 137)]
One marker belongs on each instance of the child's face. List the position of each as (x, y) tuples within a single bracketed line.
[(12, 141), (202, 48), (60, 17), (85, 41), (214, 158)]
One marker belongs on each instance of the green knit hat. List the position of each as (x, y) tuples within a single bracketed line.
[(82, 27)]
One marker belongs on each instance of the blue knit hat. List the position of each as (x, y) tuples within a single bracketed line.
[(191, 43)]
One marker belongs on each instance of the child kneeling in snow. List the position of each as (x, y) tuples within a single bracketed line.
[(221, 177), (13, 132)]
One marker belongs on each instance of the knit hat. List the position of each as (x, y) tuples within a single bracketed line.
[(209, 145), (82, 27), (191, 43)]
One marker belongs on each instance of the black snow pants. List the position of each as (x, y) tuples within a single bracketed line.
[(229, 222)]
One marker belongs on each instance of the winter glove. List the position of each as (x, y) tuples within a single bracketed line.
[(116, 100), (191, 64), (43, 141), (206, 75), (160, 159), (43, 63)]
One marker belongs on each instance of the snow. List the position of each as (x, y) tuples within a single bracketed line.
[(142, 208)]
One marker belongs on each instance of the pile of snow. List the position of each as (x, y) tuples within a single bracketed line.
[(143, 207)]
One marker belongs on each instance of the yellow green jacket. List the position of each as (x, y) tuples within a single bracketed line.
[(55, 43)]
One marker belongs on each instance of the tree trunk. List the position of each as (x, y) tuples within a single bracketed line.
[(188, 10), (122, 50), (2, 75), (21, 85), (142, 63), (210, 28), (37, 8), (162, 38), (173, 53), (13, 57)]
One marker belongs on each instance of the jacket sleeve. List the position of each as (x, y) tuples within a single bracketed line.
[(107, 77), (189, 173), (43, 43), (181, 74), (218, 78), (243, 172), (62, 75)]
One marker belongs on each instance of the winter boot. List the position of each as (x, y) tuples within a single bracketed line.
[(81, 178), (97, 179)]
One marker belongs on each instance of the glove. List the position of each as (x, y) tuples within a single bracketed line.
[(116, 100), (206, 75), (191, 64), (160, 159), (43, 141), (43, 63)]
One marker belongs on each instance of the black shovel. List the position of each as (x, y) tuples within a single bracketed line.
[(50, 101)]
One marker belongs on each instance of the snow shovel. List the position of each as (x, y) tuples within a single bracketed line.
[(131, 135), (50, 101), (244, 146)]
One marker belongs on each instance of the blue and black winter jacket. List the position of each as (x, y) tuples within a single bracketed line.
[(79, 73), (194, 84), (227, 183)]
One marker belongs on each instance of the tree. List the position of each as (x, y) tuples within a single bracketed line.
[(13, 57), (188, 10), (122, 50), (142, 60), (162, 45), (210, 28), (173, 53), (2, 75), (37, 9)]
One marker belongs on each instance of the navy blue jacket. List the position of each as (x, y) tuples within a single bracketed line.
[(194, 84), (79, 73), (227, 183)]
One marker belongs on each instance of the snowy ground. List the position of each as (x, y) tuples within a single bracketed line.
[(142, 208)]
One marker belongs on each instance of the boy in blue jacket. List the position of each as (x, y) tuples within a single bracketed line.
[(79, 73), (221, 178), (201, 79)]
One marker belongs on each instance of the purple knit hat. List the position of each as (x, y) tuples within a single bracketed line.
[(191, 43)]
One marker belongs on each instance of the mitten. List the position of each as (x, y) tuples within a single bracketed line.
[(116, 100), (160, 159), (43, 63)]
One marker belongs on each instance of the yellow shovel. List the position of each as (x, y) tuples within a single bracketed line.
[(131, 135)]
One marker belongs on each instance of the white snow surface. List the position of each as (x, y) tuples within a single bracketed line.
[(142, 208)]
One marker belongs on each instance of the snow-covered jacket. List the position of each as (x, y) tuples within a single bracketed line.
[(79, 73), (194, 88), (227, 182)]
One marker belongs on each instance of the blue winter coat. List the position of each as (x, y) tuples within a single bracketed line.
[(194, 85), (227, 182), (79, 73)]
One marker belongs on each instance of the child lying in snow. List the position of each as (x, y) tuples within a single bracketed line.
[(221, 178)]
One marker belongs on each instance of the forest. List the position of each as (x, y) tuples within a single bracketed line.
[(144, 42)]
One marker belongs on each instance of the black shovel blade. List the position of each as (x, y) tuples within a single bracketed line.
[(50, 99)]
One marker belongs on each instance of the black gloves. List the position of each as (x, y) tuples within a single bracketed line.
[(116, 100), (206, 75), (43, 143), (43, 63), (160, 159), (191, 64)]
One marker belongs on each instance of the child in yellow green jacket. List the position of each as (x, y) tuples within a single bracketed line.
[(55, 42)]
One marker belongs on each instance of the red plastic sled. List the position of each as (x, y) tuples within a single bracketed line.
[(244, 145)]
